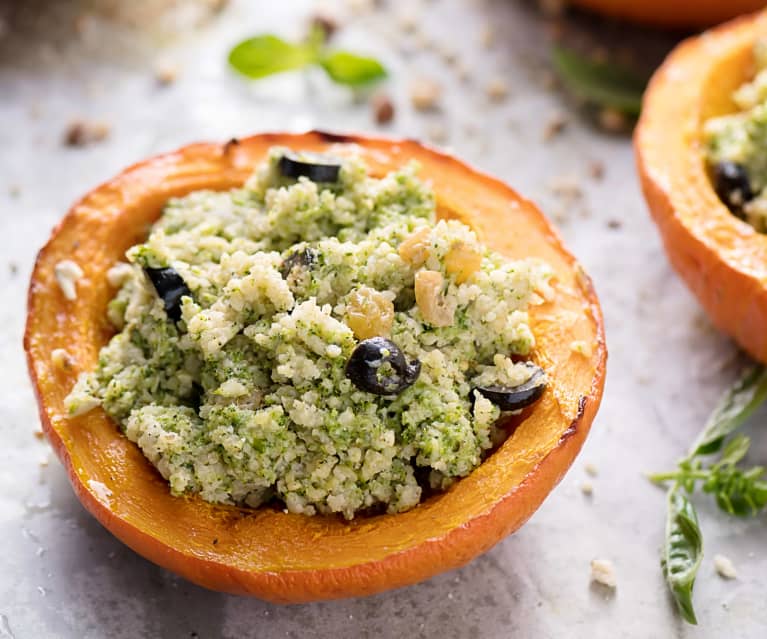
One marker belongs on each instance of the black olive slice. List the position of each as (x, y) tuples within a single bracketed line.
[(363, 367), (317, 168), (305, 258), (516, 397), (170, 287), (732, 185)]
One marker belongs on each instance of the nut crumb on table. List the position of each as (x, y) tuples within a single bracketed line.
[(725, 567), (82, 132), (425, 95), (603, 572)]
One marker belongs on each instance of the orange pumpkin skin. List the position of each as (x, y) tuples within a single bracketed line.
[(673, 13), (267, 553), (722, 259)]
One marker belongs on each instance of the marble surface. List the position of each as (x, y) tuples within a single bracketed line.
[(62, 575)]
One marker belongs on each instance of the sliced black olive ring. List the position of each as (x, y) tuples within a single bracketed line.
[(516, 397), (317, 168), (364, 366), (170, 287)]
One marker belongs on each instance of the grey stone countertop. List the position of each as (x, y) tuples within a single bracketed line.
[(63, 575)]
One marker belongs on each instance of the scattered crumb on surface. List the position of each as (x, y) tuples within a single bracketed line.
[(449, 55), (408, 22), (14, 190), (326, 23), (165, 73), (437, 133), (581, 347), (425, 95), (67, 273), (44, 462), (587, 488), (487, 38), (81, 132), (39, 434), (597, 169), (591, 469), (555, 125), (614, 224), (725, 567), (383, 108), (423, 41), (612, 120), (552, 8), (566, 187), (497, 89), (462, 72), (61, 359), (603, 572), (13, 268)]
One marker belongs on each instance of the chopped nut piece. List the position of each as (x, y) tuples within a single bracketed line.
[(612, 120), (383, 108), (415, 248), (725, 567), (369, 313), (555, 126), (13, 268), (61, 359), (425, 95), (462, 261), (85, 132), (591, 469), (435, 309), (603, 572), (587, 488), (497, 89), (566, 187), (67, 273), (39, 434), (614, 224)]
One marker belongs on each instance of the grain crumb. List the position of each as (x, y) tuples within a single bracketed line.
[(725, 567), (612, 120), (587, 488), (555, 125), (487, 38), (383, 108), (591, 469), (614, 224), (425, 95), (497, 89), (166, 73), (603, 572), (597, 170), (566, 187), (39, 434), (81, 132)]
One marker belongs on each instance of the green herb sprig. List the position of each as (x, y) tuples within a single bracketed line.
[(606, 84), (267, 54), (737, 491)]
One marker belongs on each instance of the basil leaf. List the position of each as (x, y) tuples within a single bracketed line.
[(603, 83), (347, 68), (682, 551), (733, 409), (267, 54)]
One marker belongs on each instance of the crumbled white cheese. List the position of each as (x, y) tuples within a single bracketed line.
[(118, 274), (725, 567), (333, 350), (232, 388), (603, 572), (67, 273), (61, 359)]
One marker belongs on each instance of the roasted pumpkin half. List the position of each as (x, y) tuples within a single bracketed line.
[(266, 552), (721, 258), (674, 13)]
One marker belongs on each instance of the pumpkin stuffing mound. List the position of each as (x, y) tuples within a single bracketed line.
[(700, 148), (311, 366)]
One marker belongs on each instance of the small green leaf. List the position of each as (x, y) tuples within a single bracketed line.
[(267, 54), (682, 552), (603, 83), (734, 451), (733, 409), (347, 68)]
